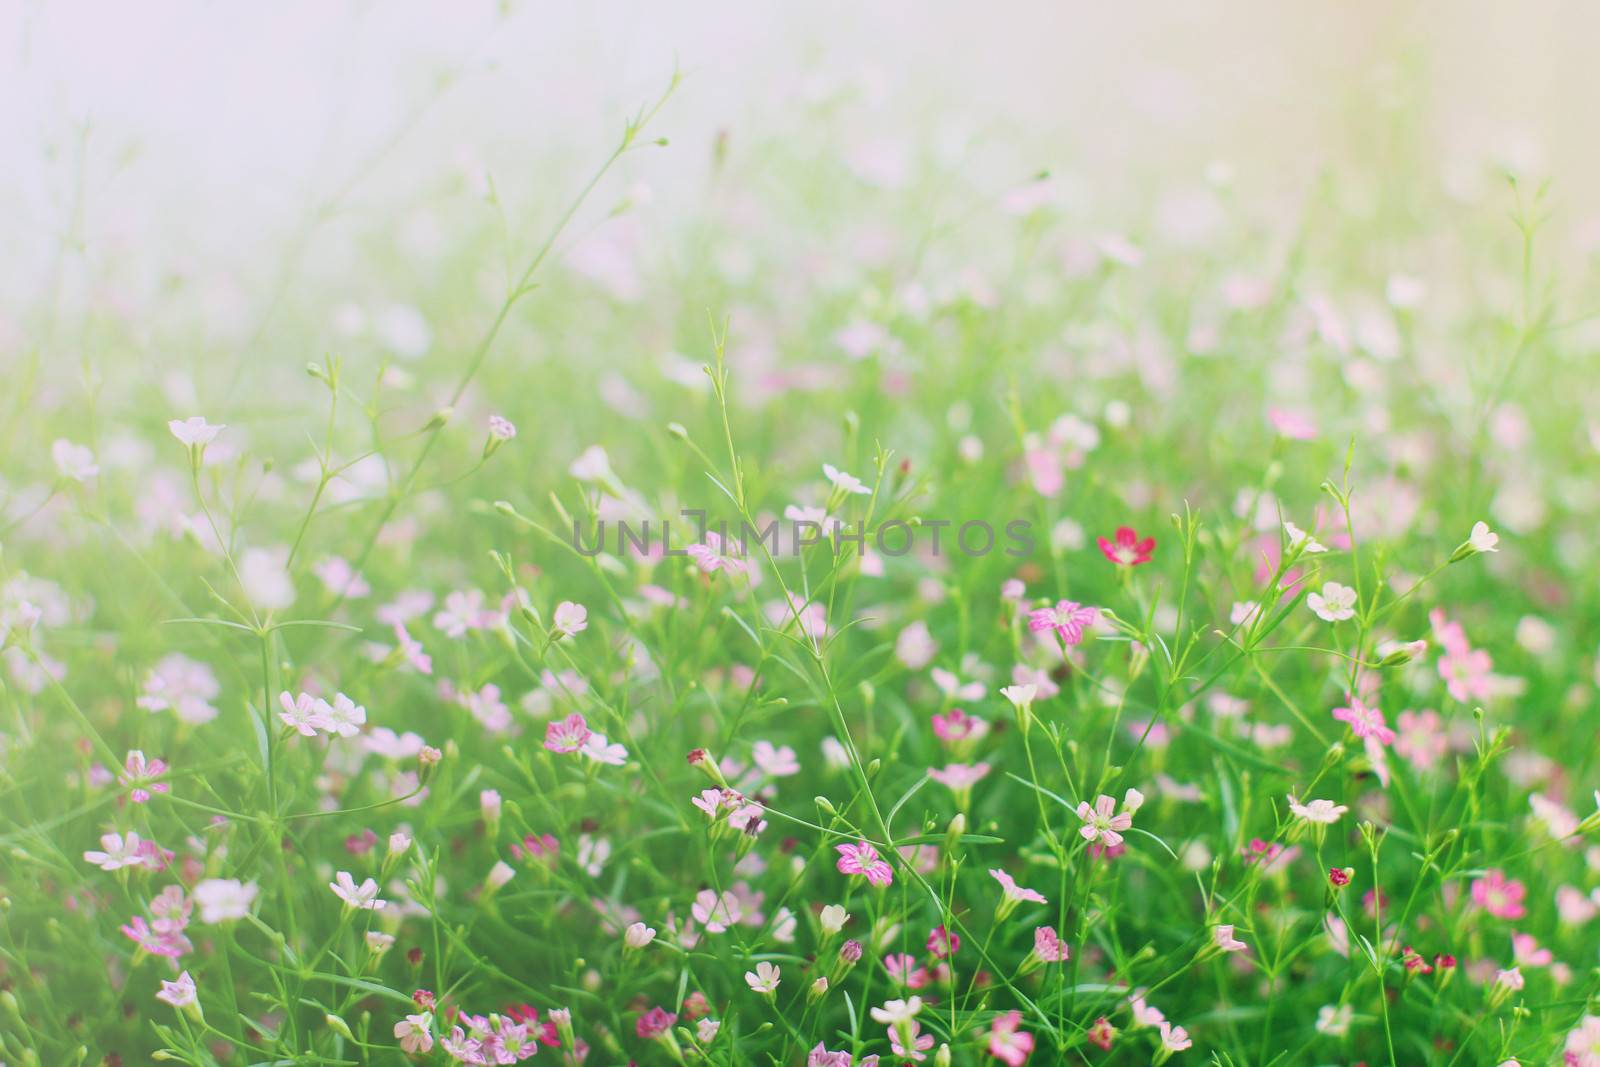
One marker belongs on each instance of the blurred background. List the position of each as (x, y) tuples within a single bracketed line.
[(161, 140)]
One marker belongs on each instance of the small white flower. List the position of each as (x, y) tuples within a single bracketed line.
[(1335, 603), (764, 979), (592, 465), (833, 919), (1334, 1021), (363, 896), (1244, 611), (1483, 539), (223, 899), (115, 852), (570, 619), (194, 430), (344, 716), (1021, 696), (845, 483), (1317, 811), (1304, 542), (897, 1011), (73, 460), (501, 873)]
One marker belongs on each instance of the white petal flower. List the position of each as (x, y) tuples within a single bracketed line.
[(1334, 604)]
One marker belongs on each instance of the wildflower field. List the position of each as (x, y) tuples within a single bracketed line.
[(867, 614)]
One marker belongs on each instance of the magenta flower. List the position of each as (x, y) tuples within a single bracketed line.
[(654, 1023), (942, 944), (566, 735), (861, 858), (1499, 896), (171, 944), (1365, 721), (1127, 550), (1068, 618), (956, 725)]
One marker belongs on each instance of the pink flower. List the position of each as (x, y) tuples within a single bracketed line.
[(183, 685), (821, 1057), (1365, 721), (179, 994), (303, 714), (536, 847), (1294, 425), (411, 650), (861, 858), (1222, 937), (942, 944), (461, 1048), (1466, 673), (717, 911), (1127, 550), (414, 1034), (1044, 471), (1526, 952), (1582, 1048), (714, 556), (463, 610), (170, 944), (956, 725), (1013, 891), (1068, 618), (139, 774), (1174, 1038), (1499, 896), (1006, 1042), (569, 619), (900, 966), (566, 735), (1048, 946), (1421, 738), (655, 1022), (954, 688), (915, 1043), (960, 777), (1099, 822)]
